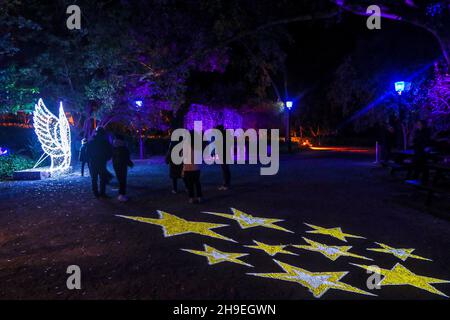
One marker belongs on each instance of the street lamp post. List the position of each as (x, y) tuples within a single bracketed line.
[(138, 104), (288, 125), (400, 87)]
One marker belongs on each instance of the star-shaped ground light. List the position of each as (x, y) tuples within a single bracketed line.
[(402, 254), (216, 256), (269, 249), (317, 282), (331, 252), (399, 275), (173, 225), (333, 232), (248, 221)]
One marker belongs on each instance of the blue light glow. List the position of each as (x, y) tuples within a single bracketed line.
[(385, 95), (289, 104), (3, 151), (139, 103), (400, 86)]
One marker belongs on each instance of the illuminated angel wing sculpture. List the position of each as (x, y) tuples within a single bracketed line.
[(54, 135)]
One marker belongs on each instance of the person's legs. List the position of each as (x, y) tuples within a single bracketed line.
[(103, 172), (174, 185), (117, 172), (93, 170), (226, 175), (189, 183), (121, 175), (108, 175), (123, 181), (83, 163), (197, 184)]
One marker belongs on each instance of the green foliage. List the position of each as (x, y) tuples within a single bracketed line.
[(17, 92), (13, 162)]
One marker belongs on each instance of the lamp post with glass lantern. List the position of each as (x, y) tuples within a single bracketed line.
[(288, 105)]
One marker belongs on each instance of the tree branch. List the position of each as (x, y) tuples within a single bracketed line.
[(409, 14), (244, 34)]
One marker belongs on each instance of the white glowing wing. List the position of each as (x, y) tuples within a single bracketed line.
[(47, 128), (64, 130)]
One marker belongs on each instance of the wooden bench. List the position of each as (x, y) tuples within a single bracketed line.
[(440, 184)]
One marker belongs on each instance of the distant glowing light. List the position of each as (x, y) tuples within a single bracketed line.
[(54, 135), (139, 103), (401, 86), (289, 104), (3, 151), (339, 149)]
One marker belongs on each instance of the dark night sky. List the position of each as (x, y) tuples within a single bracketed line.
[(320, 49)]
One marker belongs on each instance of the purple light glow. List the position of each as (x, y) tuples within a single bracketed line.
[(211, 117)]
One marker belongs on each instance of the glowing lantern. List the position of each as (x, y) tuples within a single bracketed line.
[(289, 104), (401, 86)]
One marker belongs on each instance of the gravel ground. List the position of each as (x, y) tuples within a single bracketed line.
[(47, 225)]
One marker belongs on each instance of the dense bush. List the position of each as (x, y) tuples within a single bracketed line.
[(13, 162)]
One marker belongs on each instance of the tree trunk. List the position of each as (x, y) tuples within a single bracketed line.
[(405, 136), (141, 146), (178, 120)]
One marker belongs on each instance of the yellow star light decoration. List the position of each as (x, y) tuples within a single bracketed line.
[(248, 221), (216, 256), (402, 254), (399, 275), (331, 252), (332, 232), (318, 283), (173, 225), (270, 249)]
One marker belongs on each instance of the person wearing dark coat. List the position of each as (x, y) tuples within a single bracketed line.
[(82, 157), (99, 152), (175, 170), (121, 161)]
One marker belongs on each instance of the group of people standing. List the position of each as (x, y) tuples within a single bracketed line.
[(190, 173), (97, 152)]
